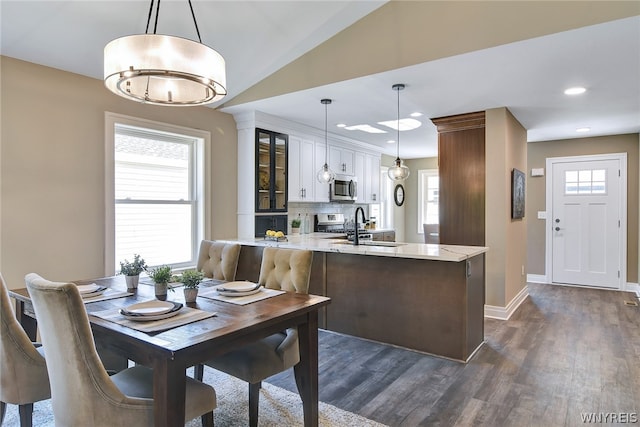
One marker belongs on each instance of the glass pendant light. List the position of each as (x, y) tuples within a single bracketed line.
[(399, 172), (325, 175)]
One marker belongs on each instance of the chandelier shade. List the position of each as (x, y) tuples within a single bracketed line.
[(164, 70), (398, 172)]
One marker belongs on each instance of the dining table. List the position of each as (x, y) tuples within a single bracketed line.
[(220, 326)]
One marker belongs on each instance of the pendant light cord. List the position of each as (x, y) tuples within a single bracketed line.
[(155, 25), (326, 144), (397, 123)]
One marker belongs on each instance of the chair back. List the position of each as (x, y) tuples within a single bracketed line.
[(81, 391), (286, 269), (431, 233), (218, 260), (23, 370)]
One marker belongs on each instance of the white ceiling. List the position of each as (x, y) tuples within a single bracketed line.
[(258, 38)]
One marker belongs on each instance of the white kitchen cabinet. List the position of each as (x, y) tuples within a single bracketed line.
[(301, 169), (341, 160), (367, 170), (321, 191)]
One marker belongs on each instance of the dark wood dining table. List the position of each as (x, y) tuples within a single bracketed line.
[(171, 352)]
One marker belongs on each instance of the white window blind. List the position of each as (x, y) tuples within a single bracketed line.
[(157, 211)]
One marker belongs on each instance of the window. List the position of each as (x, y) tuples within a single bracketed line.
[(585, 181), (156, 205), (428, 187), (386, 201)]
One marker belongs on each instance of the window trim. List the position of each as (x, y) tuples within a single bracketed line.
[(203, 156), (422, 174)]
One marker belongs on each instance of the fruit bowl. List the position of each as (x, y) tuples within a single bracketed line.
[(275, 236)]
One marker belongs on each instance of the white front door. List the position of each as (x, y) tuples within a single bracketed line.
[(586, 222)]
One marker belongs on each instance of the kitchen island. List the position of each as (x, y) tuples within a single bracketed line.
[(423, 297)]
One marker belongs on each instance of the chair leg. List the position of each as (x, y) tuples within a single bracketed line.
[(3, 408), (198, 372), (26, 413), (207, 419), (254, 398)]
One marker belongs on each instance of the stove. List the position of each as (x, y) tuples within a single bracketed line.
[(335, 223)]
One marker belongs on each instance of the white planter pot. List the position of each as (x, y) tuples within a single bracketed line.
[(161, 291), (295, 230), (132, 281), (190, 294)]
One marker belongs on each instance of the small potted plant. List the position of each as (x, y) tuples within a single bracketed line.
[(191, 280), (132, 269), (295, 225), (161, 277)]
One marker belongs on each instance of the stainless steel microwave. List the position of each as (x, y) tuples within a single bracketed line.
[(344, 189)]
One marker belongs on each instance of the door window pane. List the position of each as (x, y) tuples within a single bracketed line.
[(586, 181)]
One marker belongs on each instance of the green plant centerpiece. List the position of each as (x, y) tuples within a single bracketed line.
[(132, 269), (191, 280), (161, 277), (295, 225)]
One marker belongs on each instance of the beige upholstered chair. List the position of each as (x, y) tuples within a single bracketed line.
[(431, 233), (23, 370), (218, 260), (285, 269), (83, 394)]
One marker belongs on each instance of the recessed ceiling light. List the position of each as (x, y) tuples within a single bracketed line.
[(585, 129), (575, 90), (365, 128), (341, 125), (416, 114), (405, 124), (391, 141)]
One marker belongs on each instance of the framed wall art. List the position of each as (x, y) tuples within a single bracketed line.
[(517, 194)]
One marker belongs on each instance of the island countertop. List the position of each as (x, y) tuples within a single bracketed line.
[(327, 242)]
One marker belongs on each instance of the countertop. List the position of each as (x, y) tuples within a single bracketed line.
[(327, 242)]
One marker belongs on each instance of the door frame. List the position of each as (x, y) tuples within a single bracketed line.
[(550, 161)]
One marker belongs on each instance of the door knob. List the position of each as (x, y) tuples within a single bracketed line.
[(557, 219), (557, 228)]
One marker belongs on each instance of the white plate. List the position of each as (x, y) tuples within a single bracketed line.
[(88, 289), (150, 308), (149, 318), (239, 294), (97, 293), (242, 286)]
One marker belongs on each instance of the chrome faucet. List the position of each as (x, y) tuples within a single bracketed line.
[(356, 239)]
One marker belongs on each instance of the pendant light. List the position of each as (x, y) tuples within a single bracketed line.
[(164, 70), (325, 175), (399, 172)]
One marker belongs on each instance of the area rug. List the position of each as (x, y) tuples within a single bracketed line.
[(278, 408)]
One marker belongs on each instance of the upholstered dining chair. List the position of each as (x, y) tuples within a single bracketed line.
[(218, 260), (289, 270), (82, 393), (23, 370)]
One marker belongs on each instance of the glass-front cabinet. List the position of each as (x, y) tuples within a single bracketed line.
[(271, 171)]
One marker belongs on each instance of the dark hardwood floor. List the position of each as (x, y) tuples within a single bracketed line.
[(566, 351)]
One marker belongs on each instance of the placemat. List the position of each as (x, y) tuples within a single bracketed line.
[(108, 294), (264, 293), (186, 315)]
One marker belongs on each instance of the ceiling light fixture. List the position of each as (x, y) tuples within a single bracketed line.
[(325, 175), (164, 70), (575, 91), (399, 172)]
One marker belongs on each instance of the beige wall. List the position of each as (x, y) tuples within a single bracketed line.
[(406, 33), (506, 142), (52, 169), (411, 197), (538, 152)]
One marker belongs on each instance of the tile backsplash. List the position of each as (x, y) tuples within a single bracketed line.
[(310, 209)]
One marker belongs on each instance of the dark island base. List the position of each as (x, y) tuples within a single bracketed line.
[(435, 307)]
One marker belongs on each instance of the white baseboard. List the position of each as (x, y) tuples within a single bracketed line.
[(633, 287), (537, 278), (504, 313)]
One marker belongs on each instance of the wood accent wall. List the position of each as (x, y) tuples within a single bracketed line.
[(461, 166)]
